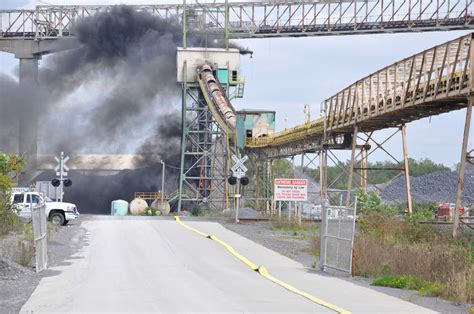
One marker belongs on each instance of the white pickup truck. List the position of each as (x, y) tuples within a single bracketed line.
[(59, 213)]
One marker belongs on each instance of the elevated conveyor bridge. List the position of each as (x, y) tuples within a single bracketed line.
[(428, 83), (256, 19)]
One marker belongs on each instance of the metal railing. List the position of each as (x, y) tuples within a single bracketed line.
[(424, 84), (40, 235), (299, 132), (151, 196)]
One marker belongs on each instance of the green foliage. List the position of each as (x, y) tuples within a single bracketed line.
[(283, 168), (291, 227), (431, 289), (387, 170), (150, 211), (400, 282), (371, 202), (10, 166), (387, 241), (26, 245), (196, 210), (424, 288), (422, 206), (420, 215)]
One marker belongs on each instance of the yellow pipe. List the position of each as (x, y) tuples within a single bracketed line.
[(263, 271)]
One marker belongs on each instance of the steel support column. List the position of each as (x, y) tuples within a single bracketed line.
[(406, 169), (183, 133), (28, 117), (351, 166), (364, 175), (323, 161), (462, 166)]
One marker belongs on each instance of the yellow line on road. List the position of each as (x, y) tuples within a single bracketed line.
[(263, 271)]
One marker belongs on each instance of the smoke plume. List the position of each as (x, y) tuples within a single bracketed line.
[(115, 93)]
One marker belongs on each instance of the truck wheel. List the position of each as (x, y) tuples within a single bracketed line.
[(57, 219)]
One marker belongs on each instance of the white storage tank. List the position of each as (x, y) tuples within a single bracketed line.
[(138, 206), (163, 207)]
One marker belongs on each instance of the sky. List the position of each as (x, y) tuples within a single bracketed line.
[(287, 73)]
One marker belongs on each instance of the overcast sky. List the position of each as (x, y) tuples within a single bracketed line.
[(284, 74)]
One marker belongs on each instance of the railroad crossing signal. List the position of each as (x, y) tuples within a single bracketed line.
[(61, 169), (238, 169)]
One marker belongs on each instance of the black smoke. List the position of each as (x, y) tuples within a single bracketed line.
[(116, 92), (132, 54)]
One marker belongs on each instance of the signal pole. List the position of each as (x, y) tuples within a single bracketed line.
[(162, 182)]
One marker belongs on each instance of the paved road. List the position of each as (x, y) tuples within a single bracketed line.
[(136, 264)]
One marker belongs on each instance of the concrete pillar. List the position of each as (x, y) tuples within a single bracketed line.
[(28, 117)]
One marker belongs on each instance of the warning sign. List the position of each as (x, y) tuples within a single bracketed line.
[(291, 190)]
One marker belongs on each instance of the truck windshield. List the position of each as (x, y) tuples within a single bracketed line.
[(47, 199)]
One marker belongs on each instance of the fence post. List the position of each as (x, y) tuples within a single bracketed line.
[(279, 210), (322, 248), (351, 264)]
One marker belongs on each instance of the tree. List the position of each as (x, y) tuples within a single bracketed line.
[(10, 166), (386, 170)]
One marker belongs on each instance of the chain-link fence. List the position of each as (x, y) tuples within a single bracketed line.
[(337, 237), (38, 216)]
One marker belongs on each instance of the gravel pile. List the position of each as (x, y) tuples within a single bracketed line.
[(438, 187), (12, 271), (314, 188), (244, 212)]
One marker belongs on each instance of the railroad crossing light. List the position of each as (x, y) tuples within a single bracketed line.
[(67, 182), (244, 181), (232, 180), (55, 182)]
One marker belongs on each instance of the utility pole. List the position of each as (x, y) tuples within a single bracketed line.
[(162, 182)]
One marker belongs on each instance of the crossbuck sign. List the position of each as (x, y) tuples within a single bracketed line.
[(61, 169), (238, 169)]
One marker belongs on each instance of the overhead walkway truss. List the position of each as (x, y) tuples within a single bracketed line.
[(256, 19)]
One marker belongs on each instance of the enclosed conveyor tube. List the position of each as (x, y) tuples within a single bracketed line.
[(216, 98)]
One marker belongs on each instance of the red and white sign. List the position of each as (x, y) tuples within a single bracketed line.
[(291, 190)]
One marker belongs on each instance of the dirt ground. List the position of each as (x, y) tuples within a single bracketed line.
[(17, 283)]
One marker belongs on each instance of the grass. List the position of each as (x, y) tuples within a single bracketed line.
[(9, 220), (26, 245), (424, 288), (406, 254), (284, 225)]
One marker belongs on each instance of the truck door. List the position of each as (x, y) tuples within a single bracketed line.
[(20, 204), (29, 199)]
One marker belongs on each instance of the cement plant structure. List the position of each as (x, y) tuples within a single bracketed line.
[(431, 82)]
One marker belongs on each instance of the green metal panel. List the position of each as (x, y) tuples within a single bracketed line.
[(255, 117), (256, 122), (223, 75)]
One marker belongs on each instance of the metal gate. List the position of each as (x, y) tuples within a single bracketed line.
[(38, 216), (337, 237)]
